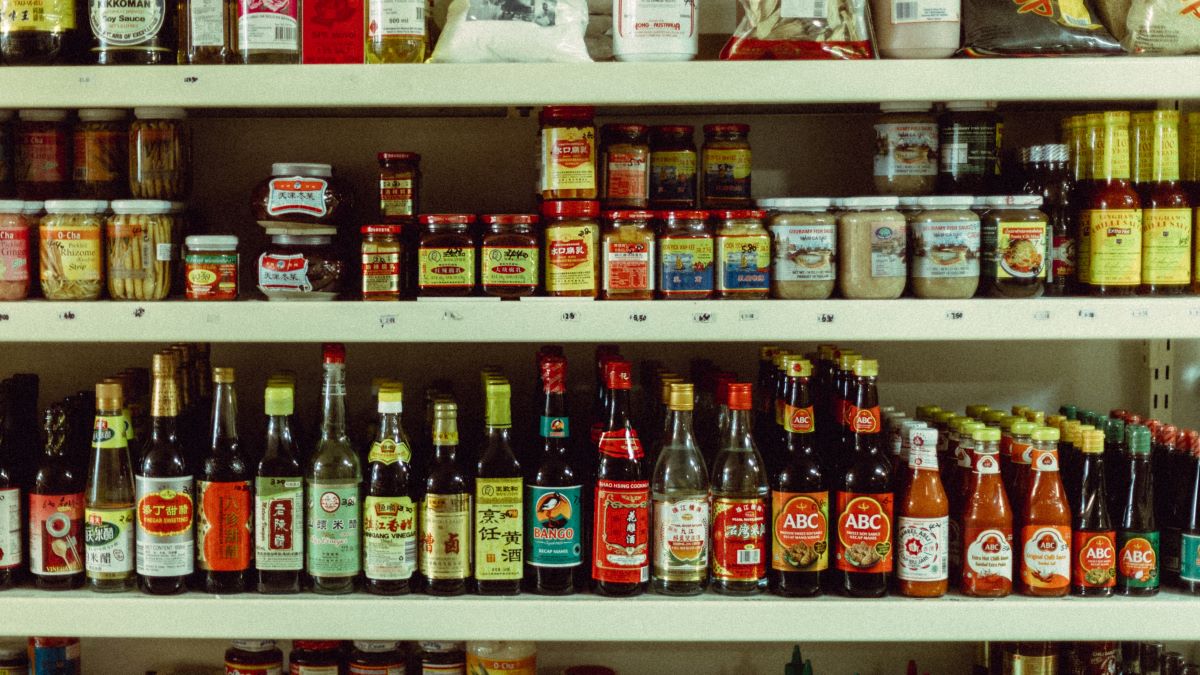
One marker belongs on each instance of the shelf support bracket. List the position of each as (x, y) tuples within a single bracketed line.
[(1159, 360)]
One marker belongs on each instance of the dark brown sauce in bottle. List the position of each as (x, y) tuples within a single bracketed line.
[(56, 512)]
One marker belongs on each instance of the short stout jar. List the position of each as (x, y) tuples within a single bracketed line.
[(211, 265), (625, 166), (377, 657), (509, 255), (685, 256), (627, 250), (315, 656), (15, 238), (568, 153), (446, 256), (1013, 246), (743, 253), (804, 239), (43, 154), (254, 656), (399, 186), (725, 167), (101, 149), (673, 162), (872, 249), (944, 240), (572, 248), (382, 265), (906, 149)]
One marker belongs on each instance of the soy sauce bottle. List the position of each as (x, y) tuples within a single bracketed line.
[(1138, 538)]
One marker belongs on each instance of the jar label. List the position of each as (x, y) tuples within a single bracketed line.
[(1138, 563), (396, 18), (1020, 251), (1095, 559), (925, 11), (268, 25), (681, 539), (223, 530), (673, 176), (479, 665), (568, 159), (923, 545), (739, 540), (864, 532), (727, 173), (54, 656), (108, 543), (800, 528), (280, 272), (888, 251), (1189, 561), (301, 196), (510, 266), (333, 529), (805, 252), (74, 252), (626, 175), (571, 258), (128, 242), (42, 157), (206, 23), (657, 22), (1063, 257), (906, 149), (381, 269), (256, 669), (55, 534), (44, 16), (1046, 556), (627, 265), (279, 523), (743, 263), (14, 253), (499, 548), (1115, 246), (385, 669), (389, 538), (967, 149), (1167, 246), (943, 250), (302, 669), (100, 156), (459, 668), (395, 194), (449, 267), (988, 562), (211, 277), (166, 538), (127, 23), (620, 549), (686, 265), (446, 536), (10, 528), (554, 525)]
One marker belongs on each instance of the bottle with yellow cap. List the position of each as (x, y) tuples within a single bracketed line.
[(843, 400), (1045, 542), (679, 493), (1093, 538), (389, 501), (1167, 212), (224, 526), (279, 497), (739, 490), (499, 501), (445, 559), (1111, 219), (109, 508)]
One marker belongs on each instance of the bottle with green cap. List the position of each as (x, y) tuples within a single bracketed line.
[(1069, 411), (1137, 536), (389, 519), (1093, 539), (499, 496), (279, 498)]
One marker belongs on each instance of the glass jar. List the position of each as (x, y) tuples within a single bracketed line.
[(917, 30), (14, 250), (300, 194), (101, 147), (141, 249), (381, 255), (160, 154), (127, 33), (204, 37), (906, 149), (517, 658), (7, 189), (319, 655), (627, 252), (301, 267), (1014, 247), (446, 255), (625, 166), (399, 186), (72, 260), (43, 157), (572, 248), (568, 155), (396, 31), (673, 164), (944, 245), (872, 248), (743, 253), (377, 657), (509, 267), (211, 265), (254, 656), (266, 33), (685, 256), (804, 238), (969, 135), (36, 33), (448, 658), (725, 167)]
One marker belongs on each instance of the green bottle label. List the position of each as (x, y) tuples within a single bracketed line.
[(279, 523), (499, 549), (1138, 560), (556, 427), (1189, 569), (334, 531), (552, 525)]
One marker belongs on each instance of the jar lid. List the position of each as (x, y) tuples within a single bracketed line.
[(398, 157), (447, 219), (577, 209), (140, 206), (971, 105), (435, 646), (12, 206), (302, 169), (878, 202), (301, 239), (509, 219), (739, 214), (726, 129), (101, 115), (567, 112), (34, 207), (795, 203), (76, 206), (41, 115), (254, 645), (376, 646), (1016, 201), (634, 129), (671, 129), (382, 229), (685, 214), (629, 215), (316, 645), (160, 113), (212, 242), (946, 202), (905, 106)]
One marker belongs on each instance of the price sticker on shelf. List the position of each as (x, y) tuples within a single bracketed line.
[(704, 317), (825, 318), (569, 317), (67, 316), (4, 317), (191, 79), (954, 316), (451, 315), (1140, 313), (748, 316), (1042, 315), (638, 318), (386, 320), (1195, 311), (1087, 314)]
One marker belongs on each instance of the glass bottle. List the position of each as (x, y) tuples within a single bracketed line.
[(571, 235), (203, 33), (334, 477), (56, 512), (1059, 201), (498, 501), (224, 523), (109, 508), (1138, 537), (1188, 505), (141, 33), (739, 490), (680, 492), (1112, 215), (10, 490), (987, 523), (924, 522), (1167, 212), (1046, 524), (446, 511), (166, 505), (389, 510), (509, 255), (279, 499), (266, 33), (1116, 456), (39, 34), (1093, 539), (396, 31), (446, 255)]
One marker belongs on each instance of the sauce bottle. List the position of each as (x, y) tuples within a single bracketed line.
[(1093, 539), (1046, 524), (924, 522), (1138, 536), (223, 526), (987, 523), (864, 497), (109, 507), (1188, 505), (1167, 218), (1112, 214), (799, 495), (739, 506), (389, 519), (1116, 457), (445, 562), (279, 499), (56, 512), (680, 492), (1166, 454), (499, 525)]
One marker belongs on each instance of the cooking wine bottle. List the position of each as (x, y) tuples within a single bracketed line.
[(224, 525), (499, 548), (680, 492), (56, 512)]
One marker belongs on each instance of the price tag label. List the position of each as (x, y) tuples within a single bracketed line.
[(748, 316), (1041, 316), (386, 320), (1140, 313), (67, 316), (1195, 311), (569, 316), (954, 316), (825, 318), (1087, 314), (704, 317), (191, 79), (4, 317), (638, 318), (451, 315)]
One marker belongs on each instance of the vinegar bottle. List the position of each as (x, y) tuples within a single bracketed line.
[(739, 490), (680, 492), (1046, 525), (109, 508), (987, 523), (279, 498), (924, 522), (445, 557), (1093, 540), (224, 524), (389, 513), (1138, 537)]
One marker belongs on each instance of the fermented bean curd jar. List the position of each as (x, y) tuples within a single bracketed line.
[(72, 257), (509, 257), (804, 239), (743, 253), (572, 248), (377, 657), (673, 162), (872, 248), (944, 245), (568, 154), (381, 262), (446, 255), (14, 250), (627, 250), (301, 267), (101, 149), (300, 193), (42, 166), (318, 657), (725, 167), (141, 249), (160, 154), (1013, 247), (399, 186), (625, 166), (906, 149), (685, 256)]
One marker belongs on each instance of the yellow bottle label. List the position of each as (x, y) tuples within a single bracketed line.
[(110, 431), (1167, 246), (1156, 153), (1110, 157), (37, 15), (1083, 256), (1115, 246), (389, 451), (568, 158), (447, 267), (446, 536), (76, 247), (499, 544), (571, 257), (481, 665)]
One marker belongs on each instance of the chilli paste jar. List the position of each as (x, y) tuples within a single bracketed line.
[(43, 154), (944, 244), (446, 255), (804, 237), (673, 162), (906, 149), (568, 156), (725, 167), (872, 248), (685, 256), (301, 267), (743, 253), (261, 657), (300, 194), (628, 256), (509, 255), (572, 248), (211, 267), (625, 166), (1014, 247)]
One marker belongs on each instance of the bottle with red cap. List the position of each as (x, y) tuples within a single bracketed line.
[(621, 526), (572, 248), (739, 505)]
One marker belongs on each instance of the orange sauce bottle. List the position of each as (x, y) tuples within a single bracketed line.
[(1046, 525), (923, 539), (987, 523)]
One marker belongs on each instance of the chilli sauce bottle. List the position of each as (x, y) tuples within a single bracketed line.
[(553, 494), (924, 522), (1093, 539), (1111, 220), (1137, 537), (799, 494), (1046, 524), (864, 497), (166, 537), (680, 491), (621, 530), (389, 512), (109, 503), (1167, 216), (499, 525), (279, 499), (445, 561), (334, 487), (987, 523), (224, 524), (1189, 517), (56, 512)]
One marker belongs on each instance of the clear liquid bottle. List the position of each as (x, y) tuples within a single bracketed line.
[(109, 512), (389, 510), (279, 498), (739, 505), (224, 526), (499, 544), (679, 490)]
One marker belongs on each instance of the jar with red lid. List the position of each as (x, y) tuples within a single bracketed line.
[(568, 153), (377, 657), (381, 255), (625, 166), (446, 255), (260, 657), (572, 248), (399, 186), (315, 657), (627, 256), (672, 167), (685, 256), (509, 259), (743, 253), (43, 157), (725, 167)]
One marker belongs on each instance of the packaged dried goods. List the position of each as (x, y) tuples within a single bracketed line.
[(1013, 259), (572, 248), (673, 162), (101, 147), (300, 267), (300, 196), (72, 259), (628, 256), (777, 29), (333, 31), (142, 249), (654, 30), (446, 255), (944, 248), (625, 166), (160, 154), (743, 255), (686, 254), (396, 31), (917, 29), (906, 149), (509, 255), (381, 262), (551, 31), (14, 250), (804, 238), (133, 33), (872, 248), (725, 167), (1033, 28), (266, 32), (568, 153), (1161, 27), (35, 33), (43, 154), (211, 267)]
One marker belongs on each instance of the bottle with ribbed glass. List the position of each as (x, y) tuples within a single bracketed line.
[(679, 491), (224, 524), (739, 504), (499, 544), (109, 506), (389, 510), (279, 498), (445, 559)]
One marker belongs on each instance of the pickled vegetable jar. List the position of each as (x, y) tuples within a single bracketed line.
[(160, 154), (142, 249), (71, 254)]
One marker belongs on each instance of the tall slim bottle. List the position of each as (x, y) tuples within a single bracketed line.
[(739, 505), (333, 552), (389, 509), (499, 525), (56, 512), (1093, 539), (553, 494), (109, 512), (11, 454), (923, 535), (279, 499), (224, 525), (680, 492), (1189, 517), (1137, 537), (166, 538), (445, 559)]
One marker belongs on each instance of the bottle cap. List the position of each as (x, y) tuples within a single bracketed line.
[(768, 352), (572, 209), (665, 382), (316, 645), (867, 368), (1023, 428), (254, 645), (741, 396), (1092, 443), (798, 367), (278, 400), (1069, 411), (986, 434), (1045, 434), (1167, 434), (333, 352), (1138, 438), (445, 410), (223, 375), (976, 410), (1055, 421), (925, 412), (391, 397), (162, 365), (618, 374), (109, 396), (1114, 428), (681, 396), (779, 358), (1037, 417), (847, 360)]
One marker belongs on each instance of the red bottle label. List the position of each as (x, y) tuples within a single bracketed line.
[(623, 443), (1095, 556), (739, 539), (987, 559), (621, 544), (797, 420), (56, 534), (224, 528), (800, 526), (863, 420), (864, 532), (165, 513)]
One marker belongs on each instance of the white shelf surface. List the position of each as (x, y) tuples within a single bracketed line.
[(1169, 616), (563, 320), (638, 84)]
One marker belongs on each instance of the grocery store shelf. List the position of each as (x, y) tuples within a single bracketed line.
[(637, 84), (542, 319)]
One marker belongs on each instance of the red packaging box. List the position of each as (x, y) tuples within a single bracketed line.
[(333, 31)]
